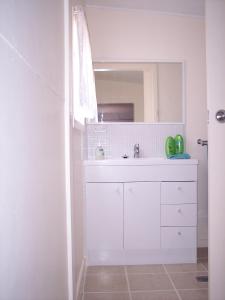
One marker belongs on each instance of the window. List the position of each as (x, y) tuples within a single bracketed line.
[(84, 104)]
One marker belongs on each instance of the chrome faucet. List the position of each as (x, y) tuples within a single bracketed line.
[(136, 151)]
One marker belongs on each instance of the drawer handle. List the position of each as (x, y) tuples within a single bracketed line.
[(118, 191), (179, 188), (179, 210), (179, 233)]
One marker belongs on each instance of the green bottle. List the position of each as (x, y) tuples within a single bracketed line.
[(179, 144), (170, 146)]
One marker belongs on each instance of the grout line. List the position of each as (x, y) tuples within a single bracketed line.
[(145, 291), (151, 291), (163, 273), (197, 289), (108, 292), (139, 273), (128, 284), (139, 291), (203, 267), (186, 272), (156, 272), (176, 291)]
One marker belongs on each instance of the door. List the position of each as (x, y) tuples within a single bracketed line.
[(215, 50), (104, 216), (142, 215)]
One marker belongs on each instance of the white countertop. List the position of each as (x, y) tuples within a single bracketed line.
[(140, 162)]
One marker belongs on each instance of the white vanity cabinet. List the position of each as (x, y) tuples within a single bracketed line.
[(178, 215), (104, 207), (141, 211), (123, 215), (141, 215)]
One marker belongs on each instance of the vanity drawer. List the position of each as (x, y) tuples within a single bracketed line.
[(178, 192), (122, 173), (179, 215), (178, 237)]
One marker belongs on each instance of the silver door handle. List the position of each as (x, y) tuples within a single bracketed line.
[(220, 115)]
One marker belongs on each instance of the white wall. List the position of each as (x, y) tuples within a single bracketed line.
[(118, 34), (77, 185), (170, 92), (77, 197), (33, 256)]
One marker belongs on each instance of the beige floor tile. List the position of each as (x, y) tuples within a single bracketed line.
[(204, 261), (146, 269), (105, 269), (106, 296), (159, 295), (194, 294), (105, 282), (148, 282), (184, 268), (188, 280)]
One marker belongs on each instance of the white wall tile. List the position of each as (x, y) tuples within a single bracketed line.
[(119, 139)]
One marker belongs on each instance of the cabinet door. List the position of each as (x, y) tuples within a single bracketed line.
[(142, 215), (104, 204)]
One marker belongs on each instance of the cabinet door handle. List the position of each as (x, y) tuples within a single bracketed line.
[(179, 210), (118, 191), (179, 188), (179, 233), (130, 189)]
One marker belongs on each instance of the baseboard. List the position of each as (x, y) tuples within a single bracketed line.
[(140, 257), (202, 230), (79, 287)]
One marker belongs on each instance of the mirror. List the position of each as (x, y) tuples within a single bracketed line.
[(139, 92)]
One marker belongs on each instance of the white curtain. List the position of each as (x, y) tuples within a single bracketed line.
[(84, 104)]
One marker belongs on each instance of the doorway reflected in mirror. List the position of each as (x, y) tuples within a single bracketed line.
[(154, 89), (116, 112)]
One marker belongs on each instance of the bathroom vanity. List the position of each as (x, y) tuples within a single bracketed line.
[(141, 211)]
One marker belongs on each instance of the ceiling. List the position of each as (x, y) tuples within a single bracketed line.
[(187, 7)]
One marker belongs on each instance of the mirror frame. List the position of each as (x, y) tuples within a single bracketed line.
[(109, 61)]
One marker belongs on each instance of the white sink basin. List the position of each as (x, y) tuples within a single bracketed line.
[(140, 161)]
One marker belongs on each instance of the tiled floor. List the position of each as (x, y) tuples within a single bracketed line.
[(148, 282)]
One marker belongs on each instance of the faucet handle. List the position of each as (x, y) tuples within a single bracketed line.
[(136, 150)]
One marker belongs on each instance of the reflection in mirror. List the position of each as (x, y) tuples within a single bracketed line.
[(139, 92)]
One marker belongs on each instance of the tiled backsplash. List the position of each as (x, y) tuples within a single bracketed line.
[(118, 139)]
